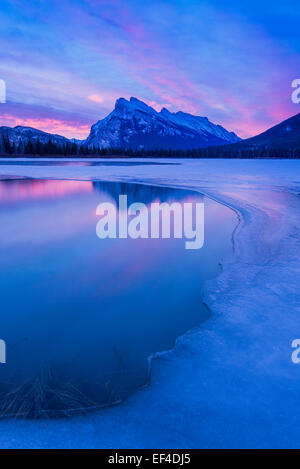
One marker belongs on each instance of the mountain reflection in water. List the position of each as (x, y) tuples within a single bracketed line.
[(80, 315)]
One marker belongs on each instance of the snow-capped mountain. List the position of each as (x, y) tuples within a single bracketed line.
[(21, 135), (134, 124)]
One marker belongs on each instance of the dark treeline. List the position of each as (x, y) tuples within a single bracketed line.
[(74, 149)]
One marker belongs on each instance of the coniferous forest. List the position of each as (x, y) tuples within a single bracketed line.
[(73, 149)]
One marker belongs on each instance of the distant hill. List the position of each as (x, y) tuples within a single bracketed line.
[(283, 135), (21, 135), (282, 141)]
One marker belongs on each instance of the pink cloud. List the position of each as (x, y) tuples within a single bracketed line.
[(96, 98)]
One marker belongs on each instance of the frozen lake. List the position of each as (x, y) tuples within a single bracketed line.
[(81, 316), (229, 382)]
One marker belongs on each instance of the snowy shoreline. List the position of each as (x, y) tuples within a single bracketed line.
[(230, 382)]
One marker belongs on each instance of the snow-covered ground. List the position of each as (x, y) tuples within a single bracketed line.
[(230, 382)]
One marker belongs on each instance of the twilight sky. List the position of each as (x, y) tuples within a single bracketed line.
[(65, 62)]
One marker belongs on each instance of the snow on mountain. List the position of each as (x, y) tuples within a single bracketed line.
[(22, 135), (201, 124), (134, 124)]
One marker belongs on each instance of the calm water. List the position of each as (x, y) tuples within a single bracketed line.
[(80, 315)]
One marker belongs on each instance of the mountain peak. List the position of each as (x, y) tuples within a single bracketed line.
[(133, 104), (137, 102), (165, 111), (121, 102)]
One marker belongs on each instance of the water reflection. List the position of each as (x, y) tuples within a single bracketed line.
[(80, 315), (142, 193), (96, 162), (12, 190)]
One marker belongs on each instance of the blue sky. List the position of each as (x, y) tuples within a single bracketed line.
[(66, 62)]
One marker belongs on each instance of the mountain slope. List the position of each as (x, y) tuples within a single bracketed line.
[(134, 124), (280, 141), (286, 134), (21, 135)]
